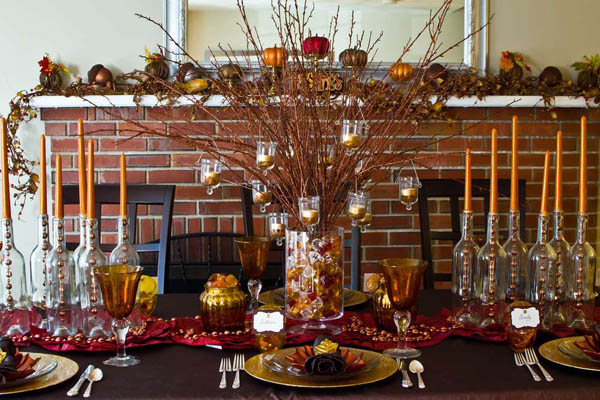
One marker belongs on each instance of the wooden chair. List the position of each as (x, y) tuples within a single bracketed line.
[(353, 243), (454, 189), (136, 195)]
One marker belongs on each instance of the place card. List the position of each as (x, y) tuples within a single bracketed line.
[(525, 317)]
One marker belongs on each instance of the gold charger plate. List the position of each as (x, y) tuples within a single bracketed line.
[(65, 370), (276, 297), (387, 367), (551, 352)]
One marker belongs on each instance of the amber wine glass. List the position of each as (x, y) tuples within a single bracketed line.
[(254, 251), (119, 285)]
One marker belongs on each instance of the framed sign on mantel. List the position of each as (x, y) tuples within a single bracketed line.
[(201, 25)]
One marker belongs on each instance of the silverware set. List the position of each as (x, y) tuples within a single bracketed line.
[(416, 368), (528, 359), (91, 375), (227, 366)]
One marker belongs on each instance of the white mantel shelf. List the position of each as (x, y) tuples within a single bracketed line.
[(218, 101)]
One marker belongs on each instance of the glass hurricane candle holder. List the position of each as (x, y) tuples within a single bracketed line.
[(261, 195), (353, 132), (278, 223), (365, 221), (265, 155), (210, 174), (254, 252), (357, 206), (409, 191), (329, 155), (309, 210)]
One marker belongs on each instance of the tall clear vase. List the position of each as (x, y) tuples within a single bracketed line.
[(38, 275)]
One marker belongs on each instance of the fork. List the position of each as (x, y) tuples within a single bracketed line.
[(532, 359), (237, 360), (520, 361), (223, 368)]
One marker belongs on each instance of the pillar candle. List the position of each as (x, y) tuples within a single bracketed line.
[(514, 168), (58, 201), (4, 165), (468, 192), (91, 214), (544, 203), (583, 168), (81, 165), (558, 180), (123, 187), (43, 188), (494, 174)]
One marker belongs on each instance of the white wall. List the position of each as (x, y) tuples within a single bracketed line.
[(78, 33)]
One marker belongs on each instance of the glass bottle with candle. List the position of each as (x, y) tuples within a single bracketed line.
[(82, 206), (39, 274), (464, 261), (518, 287)]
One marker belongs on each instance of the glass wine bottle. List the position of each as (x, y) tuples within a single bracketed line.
[(518, 285), (579, 279), (561, 247), (38, 274), (464, 261)]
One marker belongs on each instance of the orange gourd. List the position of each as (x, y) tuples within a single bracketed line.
[(400, 72), (274, 56)]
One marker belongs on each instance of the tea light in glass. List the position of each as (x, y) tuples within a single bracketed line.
[(261, 195), (365, 221), (210, 174), (357, 206), (265, 155), (353, 131), (329, 155), (409, 191), (278, 223), (309, 210)]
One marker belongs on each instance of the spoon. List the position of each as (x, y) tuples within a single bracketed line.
[(95, 376), (417, 368)]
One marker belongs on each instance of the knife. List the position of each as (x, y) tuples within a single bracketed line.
[(75, 389), (406, 382)]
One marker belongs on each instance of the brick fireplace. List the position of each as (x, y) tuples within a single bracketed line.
[(395, 231)]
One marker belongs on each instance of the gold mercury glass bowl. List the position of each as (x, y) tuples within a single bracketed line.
[(222, 308)]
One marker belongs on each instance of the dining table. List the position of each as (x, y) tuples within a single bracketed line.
[(457, 368)]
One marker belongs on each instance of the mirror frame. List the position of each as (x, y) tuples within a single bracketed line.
[(475, 47)]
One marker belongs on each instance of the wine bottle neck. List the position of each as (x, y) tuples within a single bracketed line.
[(492, 228), (467, 225), (123, 237), (43, 231), (91, 234), (582, 228), (58, 230), (514, 225), (542, 234)]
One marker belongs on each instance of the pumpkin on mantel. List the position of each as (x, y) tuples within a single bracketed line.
[(353, 58), (274, 56), (316, 47), (401, 72)]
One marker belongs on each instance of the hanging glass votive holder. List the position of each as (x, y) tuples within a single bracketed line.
[(261, 195), (278, 223), (265, 156), (353, 132), (329, 154), (357, 206), (210, 174), (409, 191), (365, 221), (309, 210)]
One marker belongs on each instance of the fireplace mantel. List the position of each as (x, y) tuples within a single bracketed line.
[(219, 101)]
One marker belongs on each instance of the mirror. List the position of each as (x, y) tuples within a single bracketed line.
[(203, 24)]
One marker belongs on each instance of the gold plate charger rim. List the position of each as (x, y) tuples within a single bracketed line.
[(551, 352), (64, 371), (355, 298), (387, 367)]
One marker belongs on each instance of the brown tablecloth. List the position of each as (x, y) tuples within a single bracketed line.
[(457, 368)]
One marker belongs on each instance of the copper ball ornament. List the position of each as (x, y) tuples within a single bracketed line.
[(550, 76), (188, 72), (99, 75)]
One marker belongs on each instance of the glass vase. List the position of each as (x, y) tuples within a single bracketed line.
[(314, 279), (38, 278)]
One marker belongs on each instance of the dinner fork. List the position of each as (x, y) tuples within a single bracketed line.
[(223, 368), (532, 359), (520, 361), (237, 361)]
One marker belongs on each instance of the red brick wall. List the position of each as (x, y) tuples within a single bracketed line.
[(395, 230)]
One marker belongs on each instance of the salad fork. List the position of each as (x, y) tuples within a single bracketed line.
[(532, 359), (223, 368), (520, 361), (237, 361)]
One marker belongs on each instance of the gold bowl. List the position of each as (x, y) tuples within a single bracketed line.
[(222, 308)]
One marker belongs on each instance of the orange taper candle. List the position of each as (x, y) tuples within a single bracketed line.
[(123, 187), (4, 166), (583, 168), (43, 188), (544, 203), (468, 193), (494, 174), (81, 160), (558, 180), (58, 201), (90, 181), (514, 168)]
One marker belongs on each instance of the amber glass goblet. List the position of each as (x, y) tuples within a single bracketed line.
[(254, 251), (403, 277), (119, 285)]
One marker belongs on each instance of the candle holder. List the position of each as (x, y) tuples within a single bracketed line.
[(261, 195), (519, 285), (561, 247), (39, 274), (409, 191), (357, 206), (464, 263), (278, 223), (365, 221), (353, 132), (329, 155), (265, 156), (309, 210), (210, 174)]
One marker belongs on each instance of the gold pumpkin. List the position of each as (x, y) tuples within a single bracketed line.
[(401, 72), (356, 58), (274, 56)]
